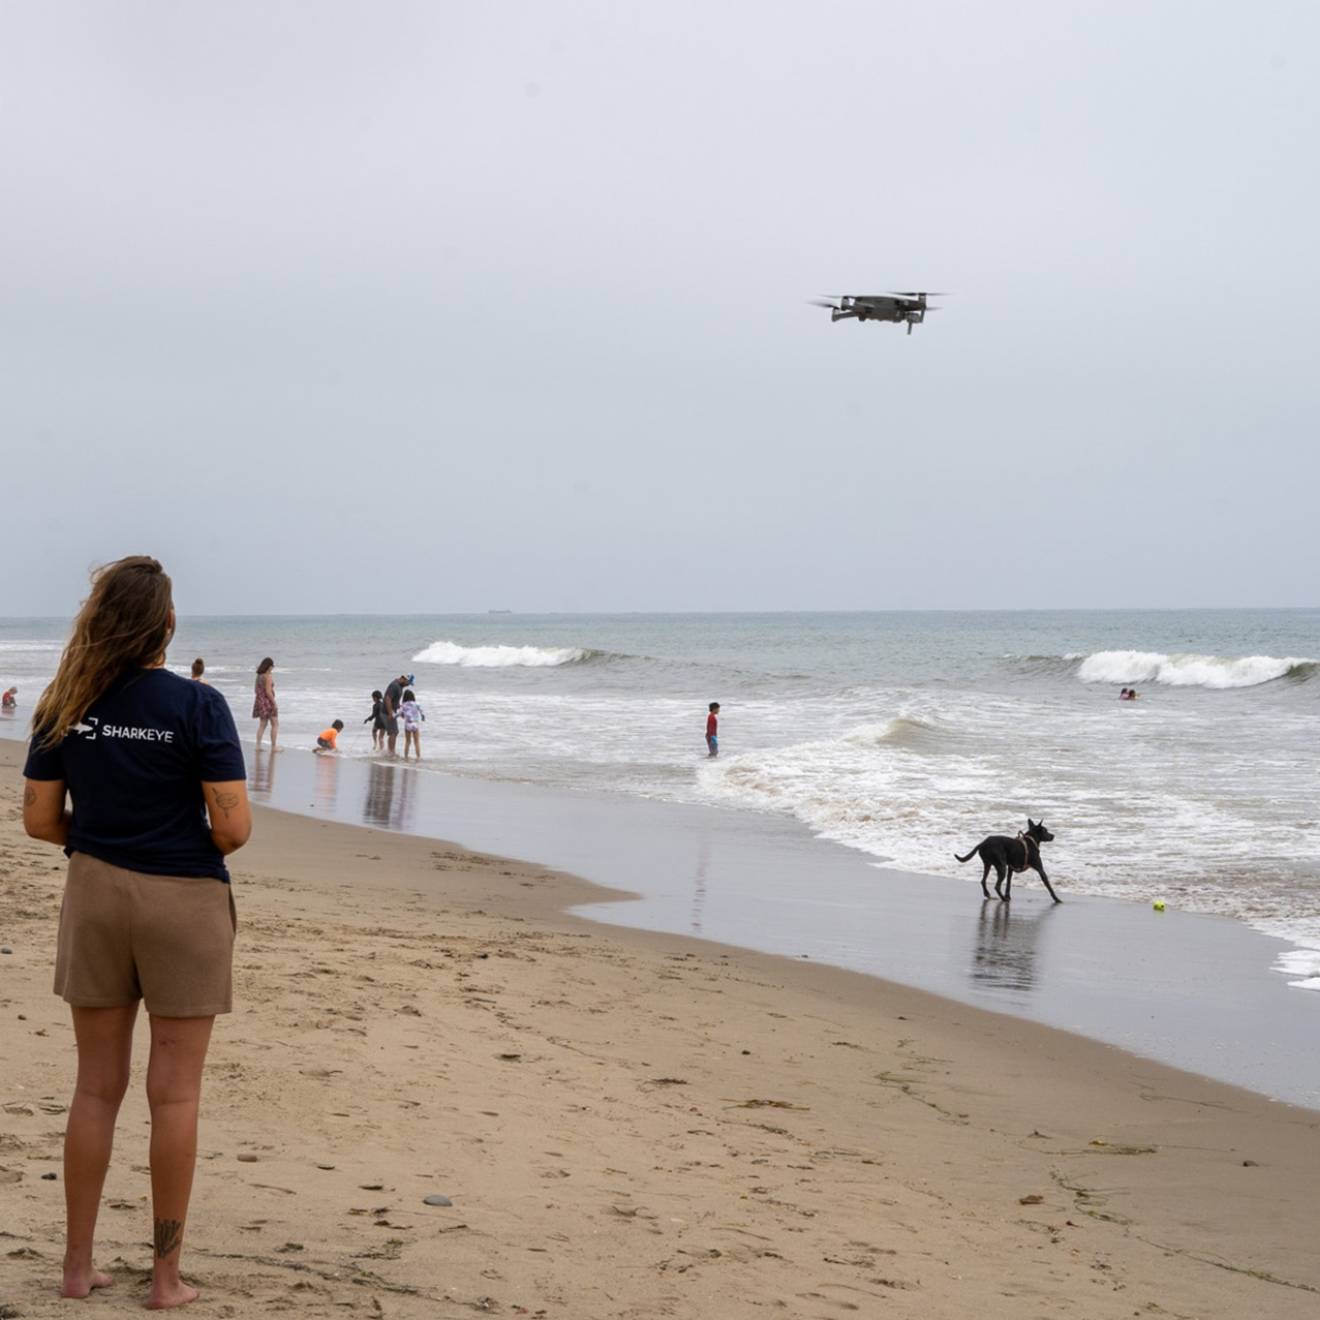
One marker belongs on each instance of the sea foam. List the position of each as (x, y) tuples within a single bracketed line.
[(500, 657), (1208, 671), (1304, 964)]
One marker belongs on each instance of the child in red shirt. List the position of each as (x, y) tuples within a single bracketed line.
[(713, 729)]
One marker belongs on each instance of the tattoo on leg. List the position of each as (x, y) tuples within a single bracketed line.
[(169, 1233), (29, 796)]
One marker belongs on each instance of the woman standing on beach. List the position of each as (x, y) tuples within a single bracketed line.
[(153, 768), (264, 709)]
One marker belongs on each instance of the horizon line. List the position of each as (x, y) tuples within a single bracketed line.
[(670, 613)]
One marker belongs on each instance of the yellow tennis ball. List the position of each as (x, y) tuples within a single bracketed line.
[(1158, 905)]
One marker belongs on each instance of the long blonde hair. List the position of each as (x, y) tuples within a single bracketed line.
[(123, 624)]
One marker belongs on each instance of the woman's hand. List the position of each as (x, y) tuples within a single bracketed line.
[(44, 816), (230, 814)]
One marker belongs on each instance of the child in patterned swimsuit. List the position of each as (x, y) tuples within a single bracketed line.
[(413, 717)]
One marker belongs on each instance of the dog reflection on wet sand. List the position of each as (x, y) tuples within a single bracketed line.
[(1006, 946)]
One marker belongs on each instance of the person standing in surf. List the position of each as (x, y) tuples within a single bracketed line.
[(264, 709), (413, 719), (152, 768), (713, 729), (393, 700)]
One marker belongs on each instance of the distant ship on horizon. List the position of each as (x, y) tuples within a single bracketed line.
[(499, 611)]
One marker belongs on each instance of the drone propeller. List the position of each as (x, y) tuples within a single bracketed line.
[(918, 293), (822, 302)]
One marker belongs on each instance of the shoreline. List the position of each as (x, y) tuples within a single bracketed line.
[(1195, 992), (636, 1124)]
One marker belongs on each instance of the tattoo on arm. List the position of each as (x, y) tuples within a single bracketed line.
[(225, 801), (169, 1234), (29, 796)]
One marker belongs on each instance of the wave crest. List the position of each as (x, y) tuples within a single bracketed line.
[(502, 657), (1208, 671), (903, 731)]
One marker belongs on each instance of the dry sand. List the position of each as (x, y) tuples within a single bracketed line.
[(630, 1125)]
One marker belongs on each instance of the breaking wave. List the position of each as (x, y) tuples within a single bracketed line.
[(21, 644), (1172, 670), (1208, 671), (504, 657), (905, 732)]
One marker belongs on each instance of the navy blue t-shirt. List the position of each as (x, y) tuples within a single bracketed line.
[(134, 767)]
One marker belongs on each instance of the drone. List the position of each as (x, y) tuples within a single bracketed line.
[(897, 307)]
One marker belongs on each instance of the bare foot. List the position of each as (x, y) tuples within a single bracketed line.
[(165, 1296), (78, 1283)]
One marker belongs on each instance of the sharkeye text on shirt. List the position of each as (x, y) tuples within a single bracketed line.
[(124, 731)]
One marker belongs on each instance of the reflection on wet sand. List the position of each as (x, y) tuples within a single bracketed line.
[(262, 782), (699, 892), (389, 800), (326, 787), (1004, 955)]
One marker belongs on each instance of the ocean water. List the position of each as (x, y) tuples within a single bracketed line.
[(905, 736)]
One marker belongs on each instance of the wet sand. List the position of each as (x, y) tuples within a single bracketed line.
[(631, 1124), (1196, 991)]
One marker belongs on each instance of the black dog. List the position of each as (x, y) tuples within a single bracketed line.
[(1013, 856)]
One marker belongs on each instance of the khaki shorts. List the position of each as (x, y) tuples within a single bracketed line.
[(165, 939)]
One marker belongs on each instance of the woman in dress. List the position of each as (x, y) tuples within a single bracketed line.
[(264, 709), (151, 765)]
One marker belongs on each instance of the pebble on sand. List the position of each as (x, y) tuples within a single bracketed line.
[(4, 948), (436, 1199), (247, 1159), (48, 1177)]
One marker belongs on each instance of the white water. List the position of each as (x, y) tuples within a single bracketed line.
[(1209, 671), (499, 657)]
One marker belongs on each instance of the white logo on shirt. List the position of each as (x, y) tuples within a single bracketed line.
[(86, 727), (141, 735)]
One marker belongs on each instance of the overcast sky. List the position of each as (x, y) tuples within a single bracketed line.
[(448, 306)]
